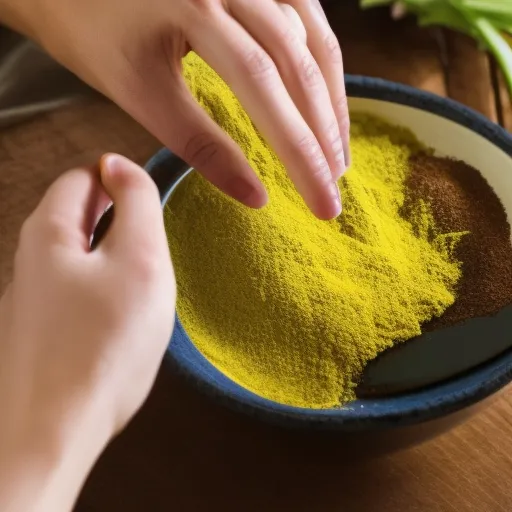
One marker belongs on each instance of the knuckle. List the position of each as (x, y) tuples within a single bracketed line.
[(310, 72), (290, 37), (52, 229), (145, 267), (259, 65), (344, 124), (200, 149), (57, 230), (203, 6), (308, 146), (341, 104), (311, 151), (332, 46), (333, 132), (322, 174)]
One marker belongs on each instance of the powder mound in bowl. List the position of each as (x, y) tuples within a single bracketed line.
[(290, 307), (461, 199)]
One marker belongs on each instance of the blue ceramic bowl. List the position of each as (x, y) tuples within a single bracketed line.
[(452, 130)]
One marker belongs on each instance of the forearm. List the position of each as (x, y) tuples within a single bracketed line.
[(32, 479), (42, 471), (17, 15)]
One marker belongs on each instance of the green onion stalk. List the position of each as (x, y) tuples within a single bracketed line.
[(487, 21)]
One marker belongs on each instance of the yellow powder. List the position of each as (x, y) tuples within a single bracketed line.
[(290, 307)]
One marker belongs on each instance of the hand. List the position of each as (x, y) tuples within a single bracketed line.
[(82, 333), (131, 51)]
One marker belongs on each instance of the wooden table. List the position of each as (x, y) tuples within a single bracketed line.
[(183, 452)]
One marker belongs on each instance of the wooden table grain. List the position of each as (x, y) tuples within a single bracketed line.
[(184, 453)]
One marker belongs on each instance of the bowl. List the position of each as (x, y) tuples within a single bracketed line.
[(448, 391)]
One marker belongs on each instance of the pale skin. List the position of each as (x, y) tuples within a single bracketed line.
[(289, 80), (82, 333)]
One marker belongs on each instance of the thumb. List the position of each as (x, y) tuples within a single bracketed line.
[(138, 220)]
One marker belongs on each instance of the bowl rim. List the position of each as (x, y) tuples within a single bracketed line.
[(404, 409)]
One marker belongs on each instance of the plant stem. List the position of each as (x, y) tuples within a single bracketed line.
[(497, 46)]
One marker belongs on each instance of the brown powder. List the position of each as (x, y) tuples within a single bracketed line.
[(463, 200)]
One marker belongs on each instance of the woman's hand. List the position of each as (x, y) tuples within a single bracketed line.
[(131, 50), (82, 333)]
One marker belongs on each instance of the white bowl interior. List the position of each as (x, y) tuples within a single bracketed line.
[(448, 139)]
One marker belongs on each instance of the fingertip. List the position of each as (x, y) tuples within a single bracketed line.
[(329, 207), (112, 167), (256, 197), (136, 201), (257, 200), (247, 191), (120, 171), (108, 163), (329, 212)]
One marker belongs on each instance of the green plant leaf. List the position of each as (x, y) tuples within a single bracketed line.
[(367, 4), (446, 15), (486, 7), (498, 46)]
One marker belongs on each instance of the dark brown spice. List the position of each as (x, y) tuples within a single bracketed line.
[(462, 200)]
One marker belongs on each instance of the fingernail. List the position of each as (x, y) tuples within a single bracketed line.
[(339, 158), (250, 194), (335, 192), (117, 170), (328, 206), (113, 165), (346, 153), (110, 163)]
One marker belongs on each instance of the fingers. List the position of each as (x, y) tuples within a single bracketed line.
[(293, 18), (279, 36), (166, 107), (69, 209), (138, 221), (325, 48), (255, 79)]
